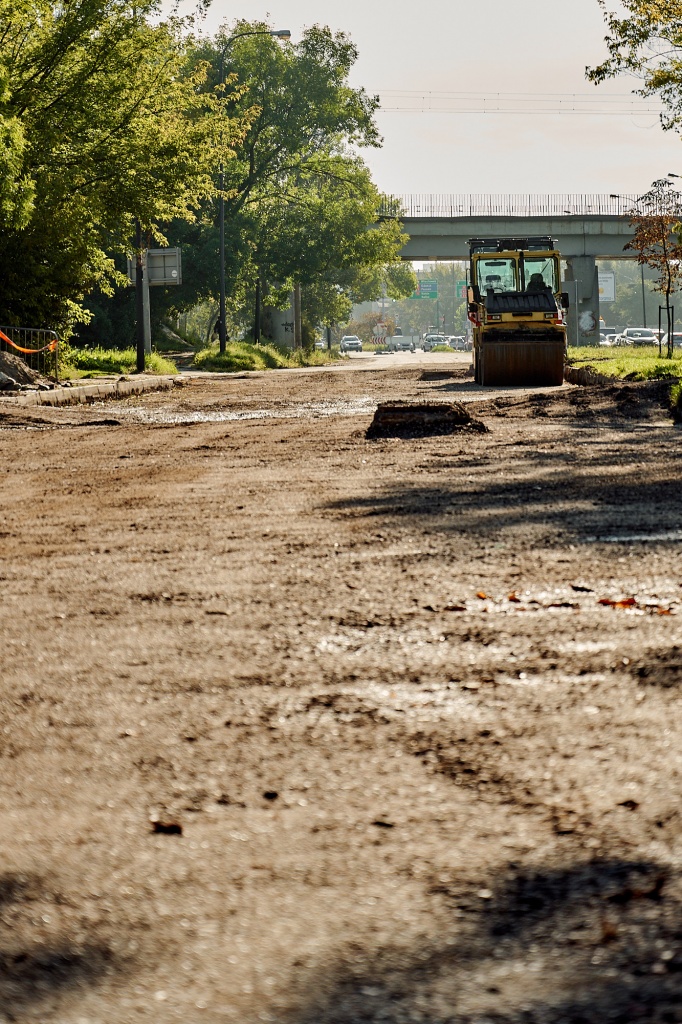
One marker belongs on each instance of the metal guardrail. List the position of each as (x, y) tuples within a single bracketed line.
[(37, 346), (532, 205)]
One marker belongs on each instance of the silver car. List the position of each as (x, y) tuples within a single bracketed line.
[(400, 344), (431, 340), (350, 343)]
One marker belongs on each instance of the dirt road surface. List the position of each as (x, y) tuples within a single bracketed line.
[(303, 728)]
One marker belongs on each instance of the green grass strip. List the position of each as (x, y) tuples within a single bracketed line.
[(242, 356), (628, 363), (97, 362)]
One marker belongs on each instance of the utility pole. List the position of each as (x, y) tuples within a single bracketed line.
[(139, 298), (146, 305), (256, 320)]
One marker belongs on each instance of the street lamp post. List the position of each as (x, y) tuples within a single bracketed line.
[(282, 33)]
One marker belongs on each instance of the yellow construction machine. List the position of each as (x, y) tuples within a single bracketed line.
[(517, 311)]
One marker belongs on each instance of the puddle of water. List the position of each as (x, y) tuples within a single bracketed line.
[(305, 410), (636, 538)]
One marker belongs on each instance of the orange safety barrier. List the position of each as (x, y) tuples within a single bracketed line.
[(29, 351)]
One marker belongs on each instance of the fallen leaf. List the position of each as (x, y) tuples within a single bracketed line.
[(626, 602), (455, 608), (581, 590), (514, 598), (482, 596)]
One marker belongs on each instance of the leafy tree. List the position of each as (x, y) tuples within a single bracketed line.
[(416, 315), (300, 205), (364, 326), (654, 219), (107, 121), (646, 44)]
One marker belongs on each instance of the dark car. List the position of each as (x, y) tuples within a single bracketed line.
[(638, 336)]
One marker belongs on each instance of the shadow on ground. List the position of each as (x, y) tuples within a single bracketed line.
[(598, 487), (32, 971), (597, 942)]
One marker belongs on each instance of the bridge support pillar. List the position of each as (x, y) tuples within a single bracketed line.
[(582, 284)]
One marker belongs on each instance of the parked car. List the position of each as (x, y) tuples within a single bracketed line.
[(609, 340), (638, 336), (458, 342), (400, 344), (350, 343), (431, 340), (677, 340)]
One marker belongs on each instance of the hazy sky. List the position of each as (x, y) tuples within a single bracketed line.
[(534, 47)]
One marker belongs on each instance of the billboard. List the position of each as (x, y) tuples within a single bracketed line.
[(607, 286)]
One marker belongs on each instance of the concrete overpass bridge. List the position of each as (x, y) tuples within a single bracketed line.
[(587, 228)]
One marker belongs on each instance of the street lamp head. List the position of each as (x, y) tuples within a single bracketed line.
[(281, 33)]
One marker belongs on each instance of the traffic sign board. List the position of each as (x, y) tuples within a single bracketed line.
[(428, 289), (425, 290)]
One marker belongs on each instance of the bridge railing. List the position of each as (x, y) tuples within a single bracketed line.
[(532, 205)]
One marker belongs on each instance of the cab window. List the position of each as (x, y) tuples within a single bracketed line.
[(544, 267), (498, 275)]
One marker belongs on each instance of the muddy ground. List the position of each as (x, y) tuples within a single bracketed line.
[(406, 765)]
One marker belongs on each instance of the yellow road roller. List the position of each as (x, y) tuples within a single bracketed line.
[(517, 311)]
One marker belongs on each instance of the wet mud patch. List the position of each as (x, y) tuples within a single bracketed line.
[(422, 419)]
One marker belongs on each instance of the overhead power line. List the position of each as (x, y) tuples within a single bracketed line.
[(405, 101)]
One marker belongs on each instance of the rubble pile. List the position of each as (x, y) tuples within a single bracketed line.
[(422, 419)]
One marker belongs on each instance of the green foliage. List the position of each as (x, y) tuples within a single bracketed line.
[(107, 122), (645, 44), (627, 363), (416, 315), (243, 356), (627, 311), (364, 327), (676, 401), (300, 205), (94, 362)]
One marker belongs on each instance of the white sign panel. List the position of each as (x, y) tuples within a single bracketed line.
[(607, 286), (163, 266)]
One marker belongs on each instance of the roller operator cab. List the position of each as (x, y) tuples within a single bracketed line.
[(517, 311)]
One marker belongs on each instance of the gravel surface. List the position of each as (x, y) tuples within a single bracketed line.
[(305, 728)]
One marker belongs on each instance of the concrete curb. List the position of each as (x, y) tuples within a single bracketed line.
[(82, 394)]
